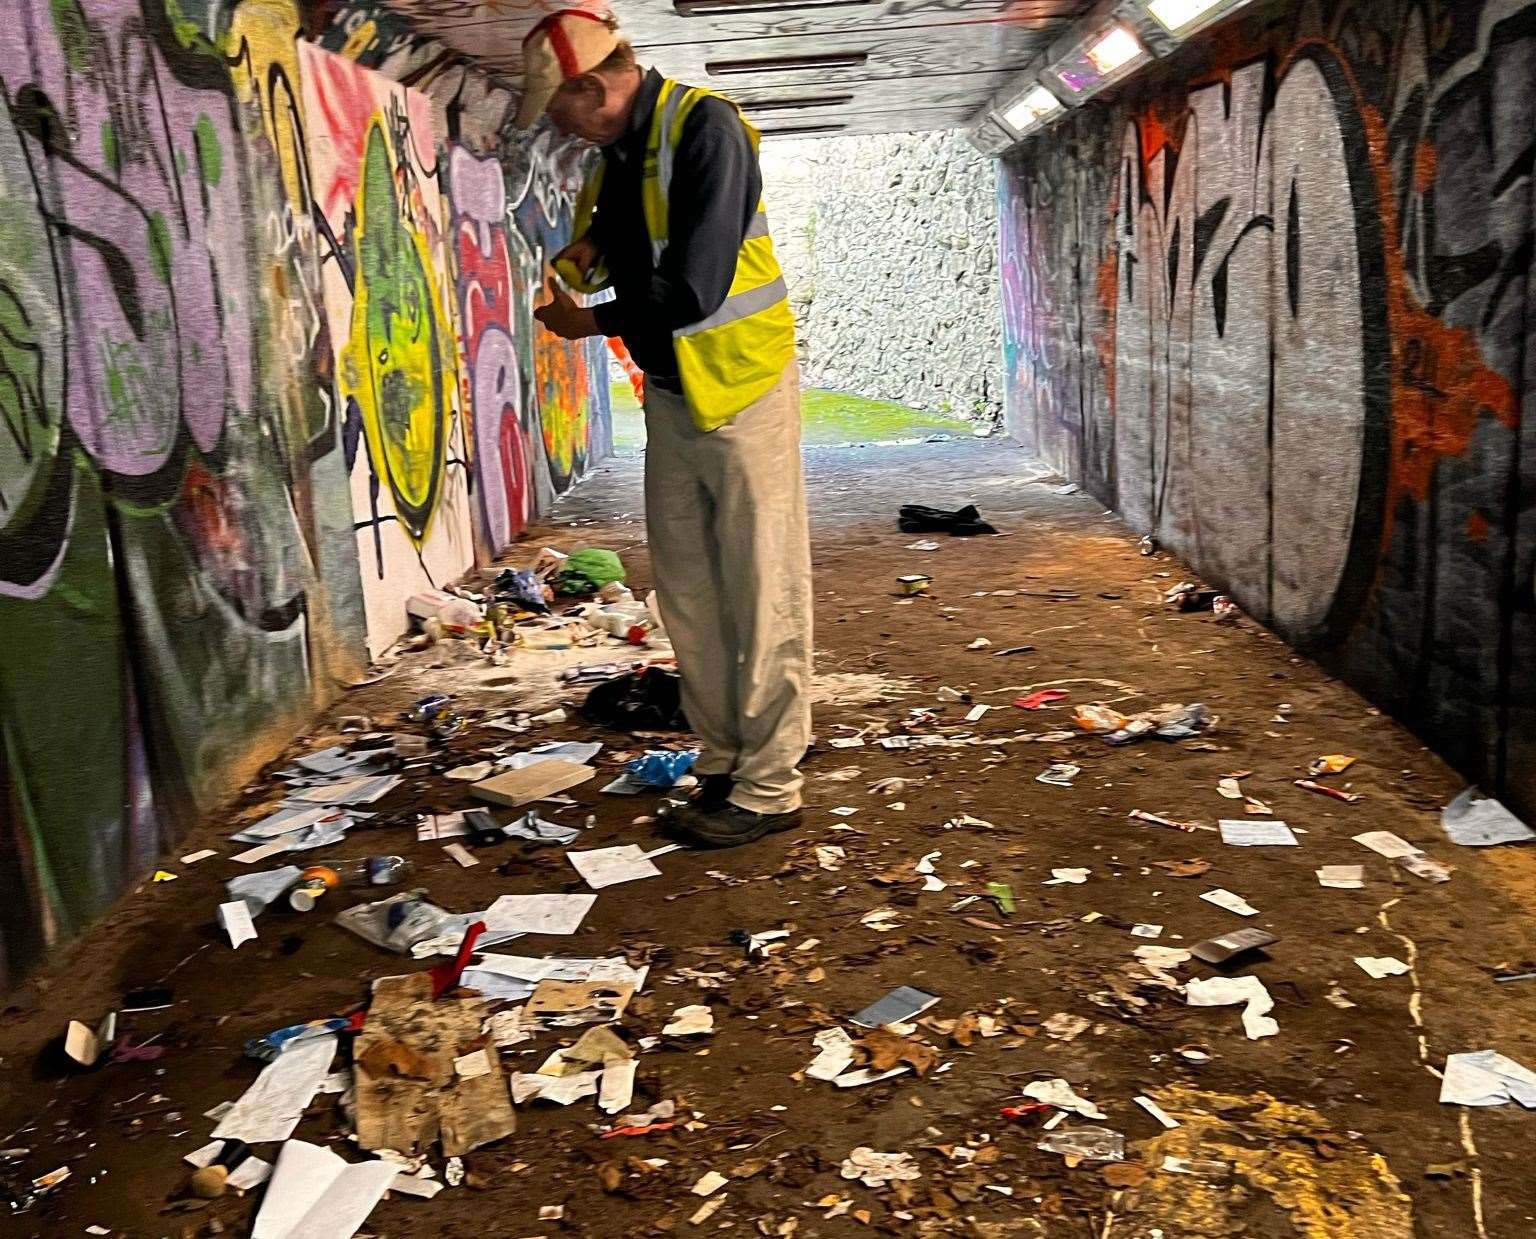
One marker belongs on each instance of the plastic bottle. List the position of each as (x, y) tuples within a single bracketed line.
[(365, 871)]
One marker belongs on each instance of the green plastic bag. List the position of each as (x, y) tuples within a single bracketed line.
[(586, 572)]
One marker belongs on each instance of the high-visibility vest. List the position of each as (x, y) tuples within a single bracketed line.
[(735, 355)]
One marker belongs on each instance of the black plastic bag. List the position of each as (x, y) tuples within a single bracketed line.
[(646, 700)]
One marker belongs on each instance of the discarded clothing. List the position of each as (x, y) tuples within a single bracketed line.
[(646, 700), (962, 523)]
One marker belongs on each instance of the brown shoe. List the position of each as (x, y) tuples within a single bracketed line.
[(727, 826)]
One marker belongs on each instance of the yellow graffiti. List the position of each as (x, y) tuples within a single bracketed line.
[(398, 362), (262, 44), (1329, 1185)]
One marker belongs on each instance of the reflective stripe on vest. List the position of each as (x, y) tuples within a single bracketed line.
[(737, 354)]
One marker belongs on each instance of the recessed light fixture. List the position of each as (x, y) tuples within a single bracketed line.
[(715, 8), (763, 107), (1100, 60), (787, 64), (802, 131), (1183, 17), (1034, 106)]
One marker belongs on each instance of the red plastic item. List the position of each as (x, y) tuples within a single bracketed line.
[(1042, 698), (637, 1131), (446, 976), (1017, 1114)]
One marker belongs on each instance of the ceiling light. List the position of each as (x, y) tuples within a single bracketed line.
[(1031, 108), (701, 8), (771, 64), (1182, 17), (765, 106), (802, 131), (1098, 61)]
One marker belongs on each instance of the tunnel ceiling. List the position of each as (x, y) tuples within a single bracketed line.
[(899, 64)]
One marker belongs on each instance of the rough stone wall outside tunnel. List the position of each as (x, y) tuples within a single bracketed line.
[(1272, 301), (889, 244), (267, 367)]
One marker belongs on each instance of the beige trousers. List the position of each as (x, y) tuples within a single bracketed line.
[(730, 552)]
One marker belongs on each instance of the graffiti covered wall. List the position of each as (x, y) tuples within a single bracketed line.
[(207, 447), (1273, 304)]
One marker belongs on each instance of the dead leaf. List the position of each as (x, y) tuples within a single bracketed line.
[(610, 1175), (1124, 1174), (964, 1031), (887, 1049), (1192, 868)]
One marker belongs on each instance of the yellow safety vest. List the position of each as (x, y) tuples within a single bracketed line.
[(739, 352)]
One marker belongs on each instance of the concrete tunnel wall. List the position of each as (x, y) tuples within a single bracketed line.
[(1272, 302), (267, 367)]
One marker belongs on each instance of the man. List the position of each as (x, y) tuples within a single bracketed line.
[(672, 221)]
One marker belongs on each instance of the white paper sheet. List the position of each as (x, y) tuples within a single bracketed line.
[(1229, 992), (1487, 1078), (1342, 877), (316, 1195), (617, 1088), (1242, 833), (1232, 903), (1477, 822), (835, 1054), (1380, 967), (516, 976), (1385, 843), (561, 1089), (274, 1104), (537, 914), (1060, 1094), (235, 920), (611, 866)]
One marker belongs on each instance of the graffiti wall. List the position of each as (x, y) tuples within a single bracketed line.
[(1273, 304), (232, 438)]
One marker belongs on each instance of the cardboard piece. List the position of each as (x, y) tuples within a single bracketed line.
[(516, 788), (408, 1090), (565, 1004)]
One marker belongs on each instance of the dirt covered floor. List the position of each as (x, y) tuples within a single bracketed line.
[(1329, 1129)]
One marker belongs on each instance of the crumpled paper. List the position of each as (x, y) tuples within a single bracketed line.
[(1229, 992)]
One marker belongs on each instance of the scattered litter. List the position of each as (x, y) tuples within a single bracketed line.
[(1227, 947), (897, 1007), (1067, 877), (1385, 843), (1059, 774), (881, 920), (1478, 822), (977, 713), (1157, 1112), (925, 544), (961, 523), (709, 1184), (877, 1169), (1042, 697), (461, 855), (1487, 1078), (1063, 1026), (603, 867), (1426, 868), (272, 1106), (1089, 1144), (1331, 763), (1229, 992), (1232, 903), (913, 583), (694, 1021), (1379, 967), (1249, 834), (1188, 828), (1333, 793), (830, 858), (1342, 877), (1060, 1094), (1161, 957), (1146, 931), (193, 857), (1002, 895), (313, 1192), (834, 1054), (235, 920), (562, 1090)]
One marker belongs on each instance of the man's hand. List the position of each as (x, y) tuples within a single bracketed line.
[(582, 254), (564, 317)]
